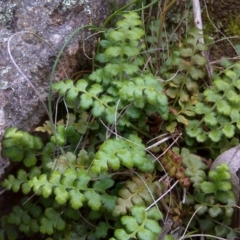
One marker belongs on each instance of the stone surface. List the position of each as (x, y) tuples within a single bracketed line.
[(53, 21)]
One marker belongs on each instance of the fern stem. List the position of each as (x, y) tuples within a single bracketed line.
[(166, 8), (140, 131)]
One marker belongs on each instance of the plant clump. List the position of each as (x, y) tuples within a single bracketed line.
[(95, 177)]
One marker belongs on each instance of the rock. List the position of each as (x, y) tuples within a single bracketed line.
[(53, 21)]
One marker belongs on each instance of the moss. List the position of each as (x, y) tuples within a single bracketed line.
[(225, 16), (233, 27), (7, 15), (68, 5)]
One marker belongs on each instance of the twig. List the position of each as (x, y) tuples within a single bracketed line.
[(199, 25), (170, 189)]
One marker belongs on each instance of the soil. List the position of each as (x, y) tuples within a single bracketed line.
[(225, 16)]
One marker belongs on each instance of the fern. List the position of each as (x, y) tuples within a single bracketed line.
[(140, 224), (214, 202), (135, 193), (89, 184), (116, 152), (185, 71), (120, 79), (18, 145), (218, 112)]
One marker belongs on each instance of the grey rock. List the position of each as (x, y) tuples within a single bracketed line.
[(53, 21)]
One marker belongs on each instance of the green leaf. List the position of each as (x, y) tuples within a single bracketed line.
[(130, 223), (14, 154), (233, 96), (221, 173), (98, 109), (30, 159), (235, 115), (172, 92), (94, 200), (143, 234), (139, 213), (117, 35), (214, 211), (70, 175), (60, 136), (229, 130), (196, 33), (229, 211), (121, 234), (112, 69), (182, 119), (193, 129), (86, 101), (26, 188), (151, 95), (51, 221), (200, 60), (231, 74), (129, 68), (113, 51), (105, 43), (222, 120), (96, 76), (11, 233), (226, 197), (126, 92), (223, 107), (201, 47), (135, 34), (154, 214), (225, 186), (191, 85), (201, 209), (221, 84), (132, 18), (194, 167), (101, 230), (125, 157), (131, 51), (206, 224), (215, 135), (61, 195), (211, 119), (184, 96), (186, 52), (221, 231), (237, 84), (163, 102), (208, 187), (76, 198), (196, 73), (172, 126), (46, 190), (72, 94), (83, 179), (201, 137), (109, 202), (95, 89), (152, 226), (81, 85), (63, 86), (103, 184), (212, 96)]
